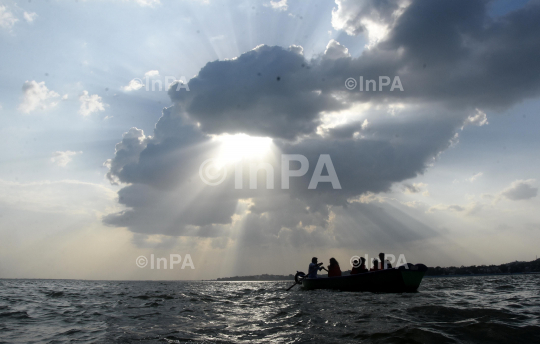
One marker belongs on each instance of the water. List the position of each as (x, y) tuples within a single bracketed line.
[(490, 309)]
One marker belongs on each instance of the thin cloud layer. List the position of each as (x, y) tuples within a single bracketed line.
[(30, 16), (7, 19), (63, 158)]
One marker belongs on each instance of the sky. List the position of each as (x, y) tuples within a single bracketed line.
[(134, 129)]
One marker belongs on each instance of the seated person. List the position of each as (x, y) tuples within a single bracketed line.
[(314, 267), (359, 267), (375, 266), (356, 264), (333, 268), (385, 264)]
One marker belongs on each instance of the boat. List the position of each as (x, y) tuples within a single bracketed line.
[(403, 279)]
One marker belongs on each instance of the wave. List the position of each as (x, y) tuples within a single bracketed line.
[(406, 335), (15, 315), (453, 314)]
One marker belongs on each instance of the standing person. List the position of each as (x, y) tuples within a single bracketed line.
[(385, 264), (314, 267), (333, 268), (375, 266)]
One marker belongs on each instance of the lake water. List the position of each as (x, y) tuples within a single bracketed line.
[(489, 309)]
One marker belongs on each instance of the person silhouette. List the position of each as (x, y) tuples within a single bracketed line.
[(385, 264), (359, 266), (314, 267), (375, 265), (333, 268)]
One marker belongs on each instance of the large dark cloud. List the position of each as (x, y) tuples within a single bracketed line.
[(451, 58), (389, 150), (166, 194), (451, 52), (160, 160), (264, 92)]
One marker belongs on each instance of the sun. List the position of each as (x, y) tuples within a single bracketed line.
[(234, 148)]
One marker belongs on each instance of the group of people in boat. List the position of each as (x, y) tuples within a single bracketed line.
[(359, 266)]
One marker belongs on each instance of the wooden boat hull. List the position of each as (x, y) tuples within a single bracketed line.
[(390, 281)]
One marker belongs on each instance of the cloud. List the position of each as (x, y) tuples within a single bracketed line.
[(127, 151), (275, 92), (364, 124), (469, 209), (65, 197), (520, 190), (133, 85), (449, 67), (475, 177), (280, 5), (264, 92), (90, 104), (63, 158), (163, 168), (334, 50), (30, 17), (151, 73), (297, 49), (455, 207), (479, 119), (439, 66), (393, 151), (414, 188), (53, 214), (7, 19), (37, 95), (376, 18), (147, 3), (137, 83)]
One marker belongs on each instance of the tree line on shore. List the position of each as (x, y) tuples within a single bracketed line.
[(513, 267)]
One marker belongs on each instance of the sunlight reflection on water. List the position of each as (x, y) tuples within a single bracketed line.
[(446, 310)]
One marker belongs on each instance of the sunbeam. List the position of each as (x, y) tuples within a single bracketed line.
[(241, 146)]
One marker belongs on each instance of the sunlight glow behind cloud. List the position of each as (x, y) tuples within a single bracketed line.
[(241, 146)]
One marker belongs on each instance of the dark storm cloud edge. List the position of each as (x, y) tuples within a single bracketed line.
[(451, 57)]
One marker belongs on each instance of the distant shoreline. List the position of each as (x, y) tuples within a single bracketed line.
[(284, 279), (474, 275), (514, 268), (259, 278), (426, 276)]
